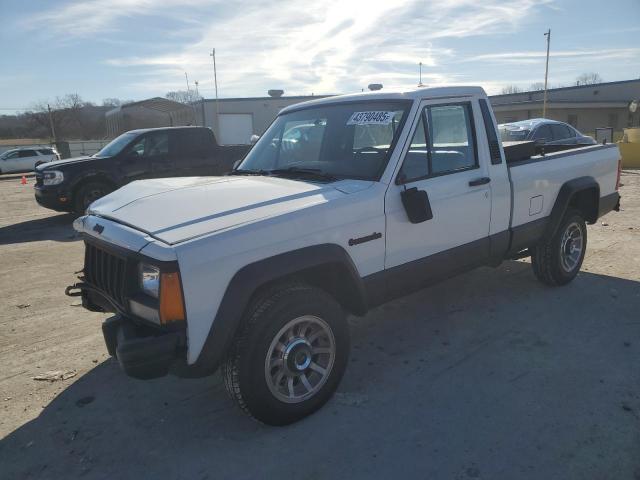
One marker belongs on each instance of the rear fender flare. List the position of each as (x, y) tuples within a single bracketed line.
[(567, 192)]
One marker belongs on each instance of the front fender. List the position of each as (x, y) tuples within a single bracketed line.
[(246, 282)]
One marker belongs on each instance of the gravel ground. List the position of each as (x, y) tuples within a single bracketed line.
[(489, 375)]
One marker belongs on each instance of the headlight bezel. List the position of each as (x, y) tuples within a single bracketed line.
[(52, 177)]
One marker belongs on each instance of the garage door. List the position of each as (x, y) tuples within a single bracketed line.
[(235, 128)]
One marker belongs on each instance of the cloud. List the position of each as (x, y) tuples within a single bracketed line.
[(322, 47), (536, 56), (93, 17), (334, 46)]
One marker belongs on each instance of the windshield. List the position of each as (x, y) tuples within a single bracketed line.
[(344, 140), (116, 145)]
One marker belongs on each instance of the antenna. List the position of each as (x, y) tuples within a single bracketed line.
[(546, 75), (420, 84)]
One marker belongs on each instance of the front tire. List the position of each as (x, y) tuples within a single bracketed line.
[(89, 193), (289, 356), (557, 261)]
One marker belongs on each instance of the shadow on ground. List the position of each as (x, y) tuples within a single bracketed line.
[(57, 227), (488, 375)]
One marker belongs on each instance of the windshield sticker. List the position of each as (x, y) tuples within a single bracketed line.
[(371, 118)]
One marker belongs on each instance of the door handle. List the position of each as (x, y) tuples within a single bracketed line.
[(479, 181)]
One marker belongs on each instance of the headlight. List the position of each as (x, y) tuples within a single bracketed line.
[(149, 278), (52, 177)]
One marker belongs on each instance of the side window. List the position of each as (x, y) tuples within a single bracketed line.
[(416, 161), (12, 155), (151, 145), (543, 132), (451, 138), (27, 153), (156, 144), (446, 145), (560, 132)]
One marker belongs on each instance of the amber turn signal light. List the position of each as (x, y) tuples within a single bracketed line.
[(171, 301)]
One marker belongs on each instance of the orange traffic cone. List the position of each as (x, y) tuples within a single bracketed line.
[(23, 181)]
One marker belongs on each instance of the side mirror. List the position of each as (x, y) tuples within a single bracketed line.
[(416, 204), (254, 139)]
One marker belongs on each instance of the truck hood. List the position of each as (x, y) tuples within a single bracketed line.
[(178, 209), (56, 164)]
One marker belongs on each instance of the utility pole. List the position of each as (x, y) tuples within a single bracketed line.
[(195, 118), (53, 129), (420, 81), (546, 75), (215, 83)]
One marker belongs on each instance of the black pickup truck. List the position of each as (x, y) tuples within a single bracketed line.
[(71, 185)]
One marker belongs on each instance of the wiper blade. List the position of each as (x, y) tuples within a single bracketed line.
[(248, 172), (309, 172)]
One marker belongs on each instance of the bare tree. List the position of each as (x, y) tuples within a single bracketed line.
[(507, 89), (536, 86), (589, 79), (71, 115), (111, 102), (184, 96)]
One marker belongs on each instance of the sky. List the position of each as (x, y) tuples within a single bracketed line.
[(137, 49)]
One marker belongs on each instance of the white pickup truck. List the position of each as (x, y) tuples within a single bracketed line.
[(343, 204)]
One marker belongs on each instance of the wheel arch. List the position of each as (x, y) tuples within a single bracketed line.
[(581, 193), (326, 266), (89, 177)]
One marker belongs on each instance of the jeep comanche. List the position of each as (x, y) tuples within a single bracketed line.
[(376, 195)]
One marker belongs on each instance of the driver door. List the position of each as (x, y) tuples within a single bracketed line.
[(134, 163), (442, 160)]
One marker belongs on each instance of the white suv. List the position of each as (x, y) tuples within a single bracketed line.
[(20, 160)]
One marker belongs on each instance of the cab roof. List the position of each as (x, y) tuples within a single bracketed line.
[(379, 95)]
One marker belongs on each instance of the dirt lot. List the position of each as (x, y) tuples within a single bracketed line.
[(489, 375)]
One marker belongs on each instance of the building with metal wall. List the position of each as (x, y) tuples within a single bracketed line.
[(586, 107), (234, 120), (239, 118), (151, 113)]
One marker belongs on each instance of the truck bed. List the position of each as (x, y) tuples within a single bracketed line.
[(536, 180)]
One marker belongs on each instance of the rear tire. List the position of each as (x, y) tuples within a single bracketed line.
[(557, 260), (289, 355), (89, 193)]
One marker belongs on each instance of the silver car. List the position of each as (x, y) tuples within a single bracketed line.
[(22, 160), (543, 131)]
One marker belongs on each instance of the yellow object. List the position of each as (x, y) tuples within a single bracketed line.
[(630, 148), (630, 154), (631, 135)]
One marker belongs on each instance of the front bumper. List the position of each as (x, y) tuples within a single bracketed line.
[(143, 352), (53, 198)]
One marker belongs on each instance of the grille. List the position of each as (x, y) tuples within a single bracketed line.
[(106, 272)]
